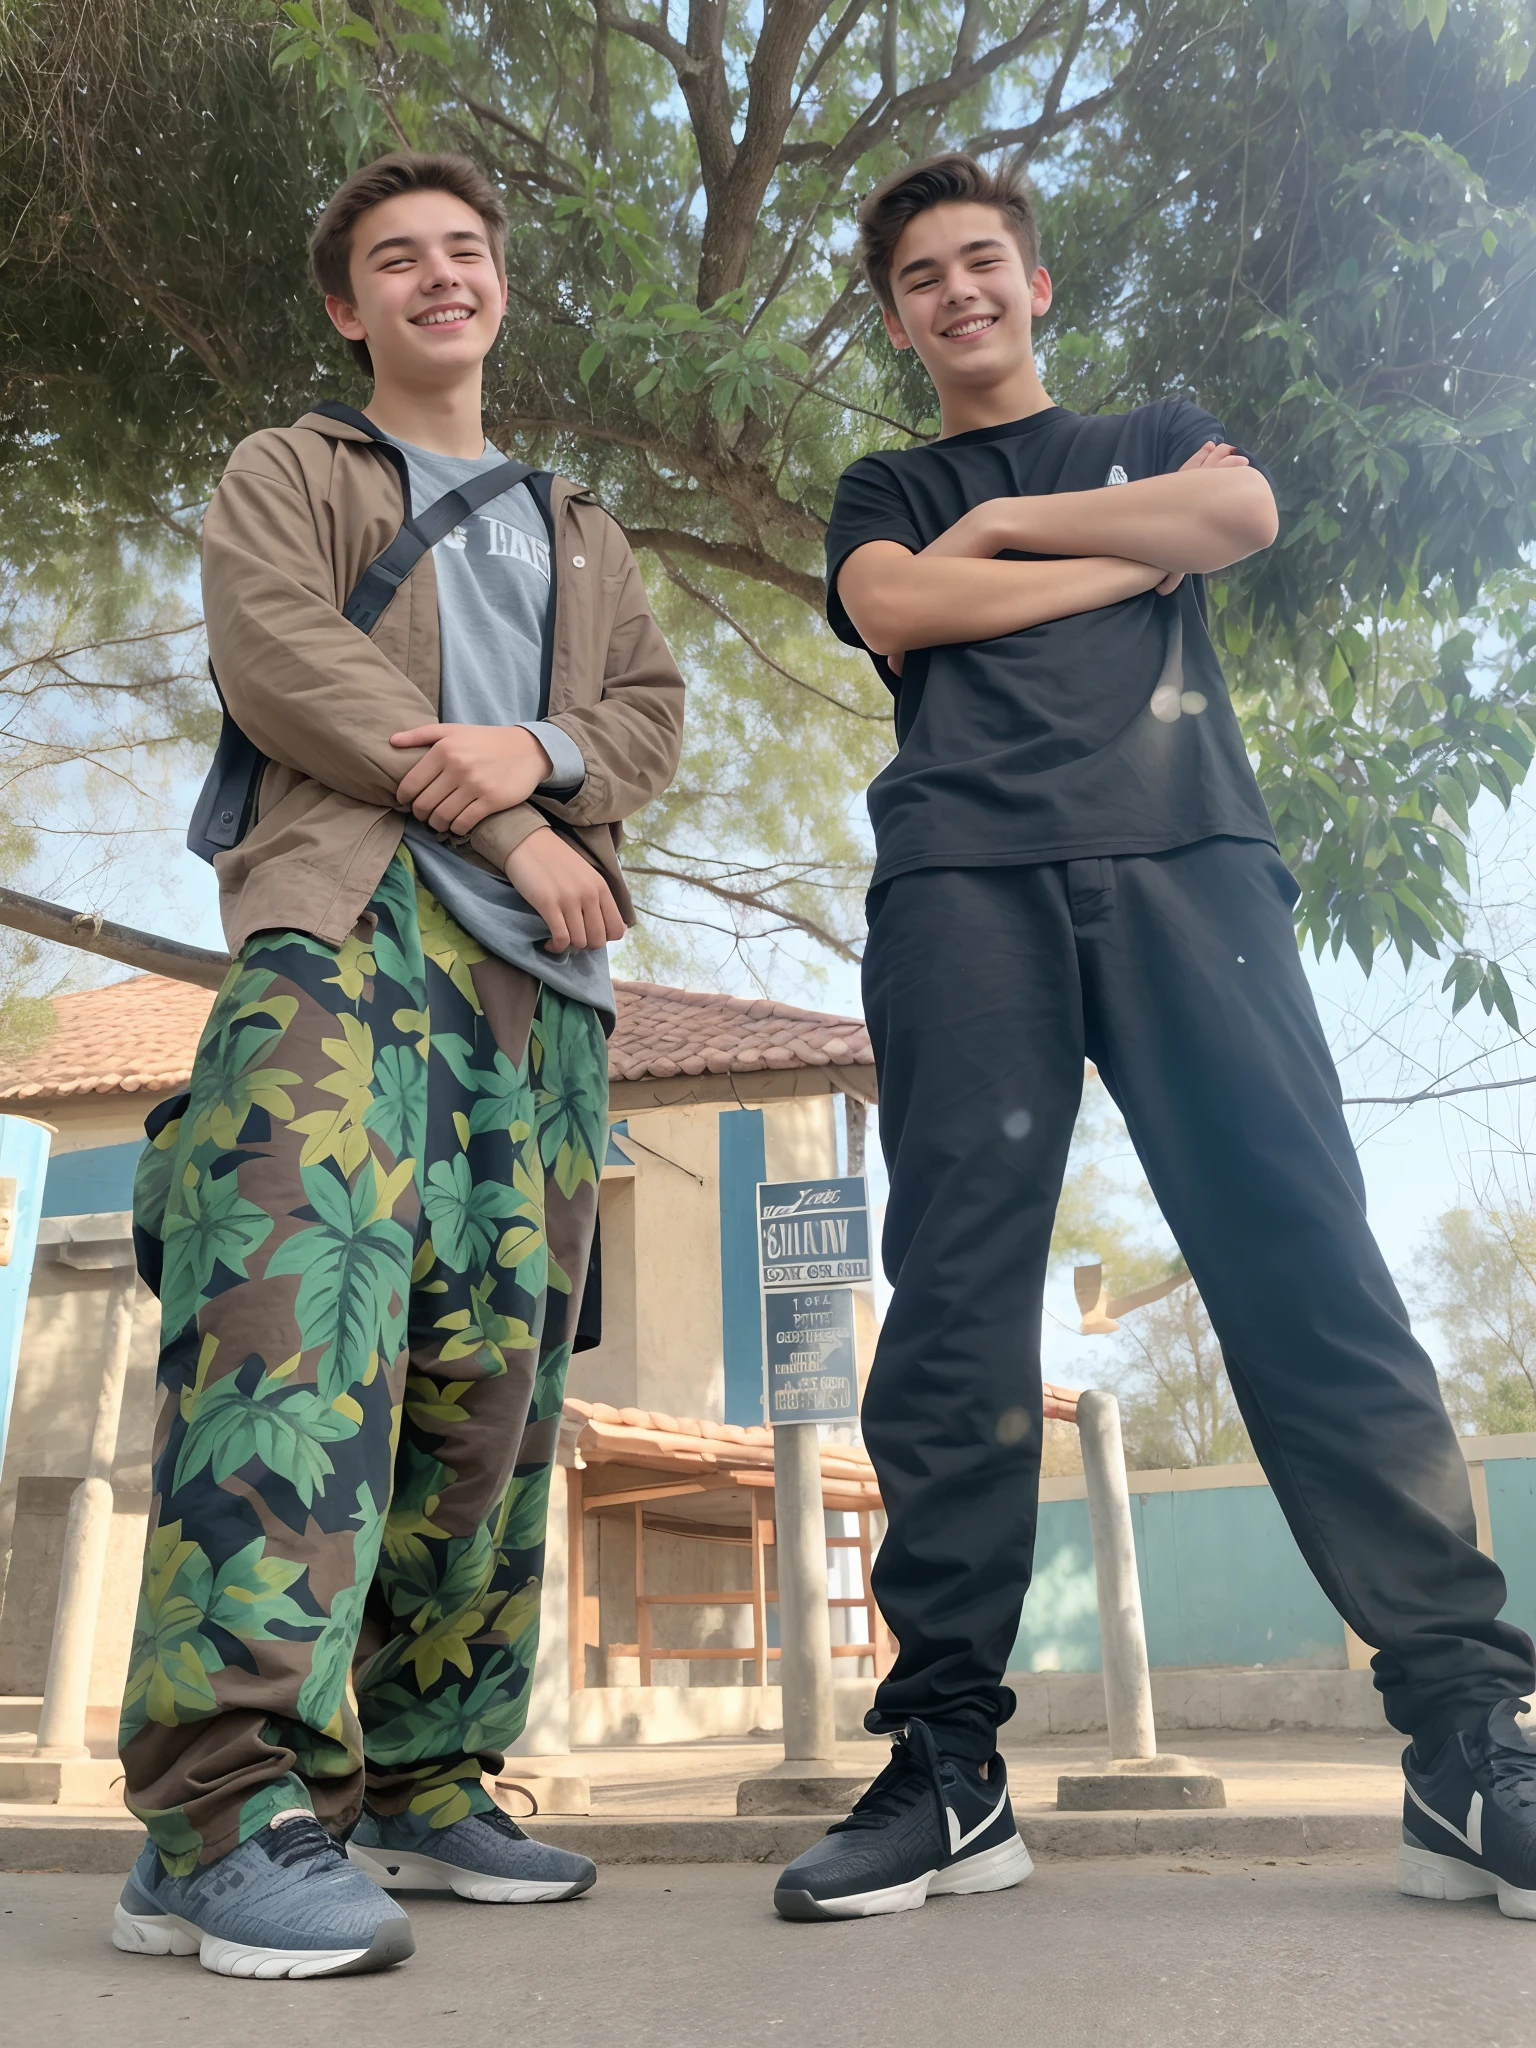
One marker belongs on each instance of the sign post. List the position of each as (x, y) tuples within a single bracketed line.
[(813, 1249)]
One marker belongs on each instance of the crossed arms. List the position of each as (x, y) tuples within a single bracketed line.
[(1114, 543)]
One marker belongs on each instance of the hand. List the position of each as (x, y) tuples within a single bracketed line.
[(567, 892), (1215, 455), (468, 772)]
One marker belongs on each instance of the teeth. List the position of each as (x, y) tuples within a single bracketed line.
[(969, 327), (441, 319)]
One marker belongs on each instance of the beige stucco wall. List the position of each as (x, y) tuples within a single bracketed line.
[(80, 1122), (57, 1378), (662, 1346), (800, 1138)]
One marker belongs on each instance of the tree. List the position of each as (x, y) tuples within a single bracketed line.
[(1317, 216), (1479, 1285), (101, 695)]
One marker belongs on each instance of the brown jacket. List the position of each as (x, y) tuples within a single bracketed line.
[(299, 514)]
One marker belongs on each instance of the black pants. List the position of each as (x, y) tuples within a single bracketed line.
[(1177, 974)]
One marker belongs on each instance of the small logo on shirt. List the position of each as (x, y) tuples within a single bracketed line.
[(498, 540), (1116, 475), (518, 546)]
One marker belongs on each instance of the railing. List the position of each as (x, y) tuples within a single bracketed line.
[(759, 1596)]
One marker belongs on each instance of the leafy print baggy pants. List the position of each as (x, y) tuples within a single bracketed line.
[(373, 1212)]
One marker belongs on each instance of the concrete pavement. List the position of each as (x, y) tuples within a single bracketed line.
[(1147, 1952)]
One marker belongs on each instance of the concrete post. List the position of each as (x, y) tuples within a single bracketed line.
[(548, 1729), (1127, 1680), (805, 1634), (855, 1114), (66, 1692)]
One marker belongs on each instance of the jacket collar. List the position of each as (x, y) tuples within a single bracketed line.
[(563, 490)]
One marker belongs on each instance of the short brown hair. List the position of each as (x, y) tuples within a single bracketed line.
[(941, 181), (405, 170)]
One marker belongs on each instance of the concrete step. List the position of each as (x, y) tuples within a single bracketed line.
[(1049, 1703), (110, 1845)]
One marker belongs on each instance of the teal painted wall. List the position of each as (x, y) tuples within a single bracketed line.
[(741, 1168), (1512, 1522), (1059, 1629), (1222, 1582), (92, 1183)]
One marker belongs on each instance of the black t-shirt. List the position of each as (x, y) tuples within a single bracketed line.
[(1109, 732)]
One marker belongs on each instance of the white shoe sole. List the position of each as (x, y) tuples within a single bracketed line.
[(1424, 1874), (406, 1870), (994, 1870), (163, 1934)]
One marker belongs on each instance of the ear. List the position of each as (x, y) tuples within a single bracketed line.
[(893, 327), (1040, 292), (345, 318)]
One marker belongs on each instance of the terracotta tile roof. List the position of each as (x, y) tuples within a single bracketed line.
[(663, 1032), (607, 1435), (139, 1035), (136, 1037)]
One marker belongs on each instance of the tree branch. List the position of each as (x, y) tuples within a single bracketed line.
[(745, 899), (675, 576), (742, 561), (92, 933), (1433, 1094)]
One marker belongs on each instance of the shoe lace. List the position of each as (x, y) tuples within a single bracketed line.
[(504, 1824), (300, 1841), (1513, 1772), (911, 1775)]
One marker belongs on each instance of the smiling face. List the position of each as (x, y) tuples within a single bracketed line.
[(964, 300), (427, 296)]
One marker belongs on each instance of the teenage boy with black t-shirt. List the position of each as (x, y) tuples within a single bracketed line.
[(1073, 860)]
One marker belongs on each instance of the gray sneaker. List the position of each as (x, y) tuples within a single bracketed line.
[(287, 1903), (485, 1856)]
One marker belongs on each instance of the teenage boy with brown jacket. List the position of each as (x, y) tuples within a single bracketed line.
[(1073, 859), (373, 1210)]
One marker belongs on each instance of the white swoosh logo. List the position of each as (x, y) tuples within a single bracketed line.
[(1474, 1834), (957, 1841)]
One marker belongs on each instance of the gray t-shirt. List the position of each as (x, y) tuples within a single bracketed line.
[(492, 597)]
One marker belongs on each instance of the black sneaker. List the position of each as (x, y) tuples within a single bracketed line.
[(927, 1825), (1469, 1817)]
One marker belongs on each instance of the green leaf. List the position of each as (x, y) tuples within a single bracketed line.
[(1503, 1000), (591, 357), (209, 1224), (282, 1429), (464, 1213), (250, 1595), (426, 43), (323, 1693), (353, 1278)]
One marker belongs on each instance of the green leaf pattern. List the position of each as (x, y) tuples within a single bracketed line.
[(362, 1179)]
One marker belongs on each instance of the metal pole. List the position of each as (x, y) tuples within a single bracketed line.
[(1127, 1679), (805, 1632), (66, 1692)]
